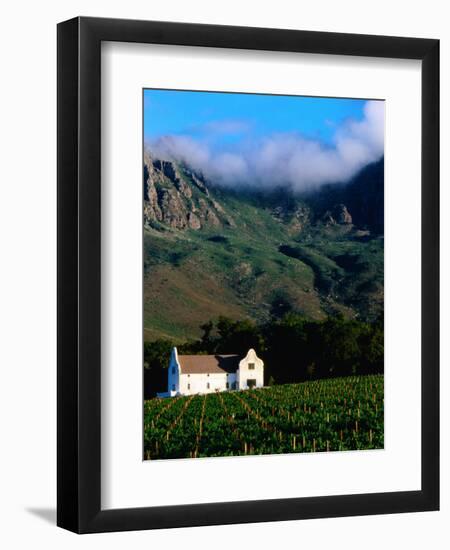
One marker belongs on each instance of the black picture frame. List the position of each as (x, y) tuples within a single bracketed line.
[(79, 280)]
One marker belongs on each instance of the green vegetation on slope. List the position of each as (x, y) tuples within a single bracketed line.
[(256, 258), (327, 415)]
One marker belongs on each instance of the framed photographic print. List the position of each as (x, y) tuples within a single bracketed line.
[(248, 241)]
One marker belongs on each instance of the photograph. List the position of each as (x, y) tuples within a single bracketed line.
[(263, 274)]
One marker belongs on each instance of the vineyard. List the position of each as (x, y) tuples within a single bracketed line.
[(326, 415)]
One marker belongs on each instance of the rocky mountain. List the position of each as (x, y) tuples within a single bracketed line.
[(363, 197), (338, 214), (210, 251), (179, 198)]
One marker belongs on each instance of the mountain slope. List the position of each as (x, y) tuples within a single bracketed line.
[(211, 252), (363, 196)]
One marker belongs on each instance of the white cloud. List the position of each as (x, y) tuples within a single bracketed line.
[(284, 158)]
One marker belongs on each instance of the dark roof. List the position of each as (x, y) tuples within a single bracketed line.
[(204, 364)]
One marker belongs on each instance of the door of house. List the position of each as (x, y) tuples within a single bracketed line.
[(251, 382)]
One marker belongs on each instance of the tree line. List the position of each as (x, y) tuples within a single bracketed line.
[(294, 349)]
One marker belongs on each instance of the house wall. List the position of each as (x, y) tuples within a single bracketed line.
[(198, 383), (173, 375), (245, 373)]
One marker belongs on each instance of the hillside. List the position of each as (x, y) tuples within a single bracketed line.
[(335, 415), (210, 251)]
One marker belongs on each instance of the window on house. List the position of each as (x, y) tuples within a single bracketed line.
[(173, 387), (233, 386), (251, 366), (173, 370), (207, 386), (228, 385), (251, 383), (189, 386)]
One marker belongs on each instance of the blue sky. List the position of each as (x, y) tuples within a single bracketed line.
[(179, 112), (264, 140)]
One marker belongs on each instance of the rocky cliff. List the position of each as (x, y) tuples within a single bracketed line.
[(177, 197), (363, 198), (339, 214)]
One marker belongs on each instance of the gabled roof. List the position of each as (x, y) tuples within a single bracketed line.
[(208, 364)]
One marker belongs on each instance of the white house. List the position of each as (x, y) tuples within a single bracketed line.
[(191, 374)]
